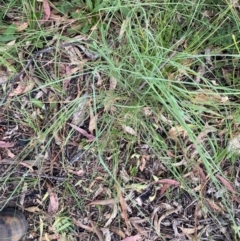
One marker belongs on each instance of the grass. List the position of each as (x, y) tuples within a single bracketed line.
[(170, 116)]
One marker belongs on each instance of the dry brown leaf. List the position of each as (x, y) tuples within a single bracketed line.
[(132, 238), (33, 209), (129, 130), (4, 144), (226, 183), (135, 221), (124, 208), (206, 96), (118, 232), (79, 173), (92, 123), (53, 202), (83, 132), (47, 11), (23, 87), (81, 225), (111, 201), (99, 79), (190, 230), (214, 206), (208, 13), (10, 154), (166, 214), (143, 163), (113, 215)]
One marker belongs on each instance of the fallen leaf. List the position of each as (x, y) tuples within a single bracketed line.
[(132, 238), (143, 163), (168, 181), (214, 206), (79, 173), (190, 230), (113, 215), (53, 202), (10, 154), (103, 202), (47, 11), (23, 87), (92, 122), (124, 208), (226, 183), (90, 137), (33, 209), (164, 188), (4, 144)]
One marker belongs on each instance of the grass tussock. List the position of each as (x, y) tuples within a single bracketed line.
[(128, 126)]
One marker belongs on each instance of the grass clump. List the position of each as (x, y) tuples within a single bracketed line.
[(130, 124)]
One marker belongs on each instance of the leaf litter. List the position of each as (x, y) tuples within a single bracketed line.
[(150, 204)]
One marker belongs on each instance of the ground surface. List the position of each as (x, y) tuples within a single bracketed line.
[(119, 120)]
